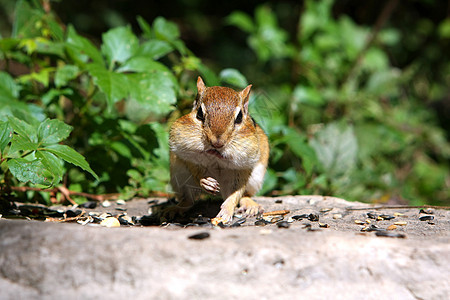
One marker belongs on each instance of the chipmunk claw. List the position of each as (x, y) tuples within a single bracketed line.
[(226, 215), (249, 208), (210, 185)]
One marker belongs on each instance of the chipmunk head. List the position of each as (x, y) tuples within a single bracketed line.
[(221, 111)]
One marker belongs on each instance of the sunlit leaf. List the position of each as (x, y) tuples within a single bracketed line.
[(114, 85), (53, 131), (336, 148), (233, 77), (6, 133), (64, 74), (71, 156), (119, 44), (29, 171)]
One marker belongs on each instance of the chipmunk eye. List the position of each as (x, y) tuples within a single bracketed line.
[(200, 115), (238, 118)]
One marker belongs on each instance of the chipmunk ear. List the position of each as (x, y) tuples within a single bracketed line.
[(245, 96), (201, 87)]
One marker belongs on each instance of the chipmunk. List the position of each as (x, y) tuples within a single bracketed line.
[(218, 147)]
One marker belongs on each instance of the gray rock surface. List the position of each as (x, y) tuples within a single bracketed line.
[(41, 260)]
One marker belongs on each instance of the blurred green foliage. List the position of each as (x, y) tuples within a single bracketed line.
[(342, 106)]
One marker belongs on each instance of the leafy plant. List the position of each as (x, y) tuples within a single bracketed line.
[(356, 129), (33, 153), (116, 97)]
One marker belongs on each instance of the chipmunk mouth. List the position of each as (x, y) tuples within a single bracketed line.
[(215, 153)]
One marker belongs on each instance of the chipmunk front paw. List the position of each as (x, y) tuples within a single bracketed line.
[(210, 185), (226, 213), (249, 208)]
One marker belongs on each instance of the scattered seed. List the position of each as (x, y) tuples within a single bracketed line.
[(126, 220), (372, 228), (397, 214), (402, 223), (239, 222), (379, 218), (387, 217), (110, 222), (283, 224), (299, 217), (337, 216), (260, 223), (431, 223), (426, 218), (276, 212), (390, 234), (290, 220), (428, 211), (106, 203), (272, 219), (368, 221), (391, 227), (323, 225), (121, 209), (313, 217), (73, 213), (307, 226), (105, 215), (216, 221), (199, 236), (326, 209), (372, 215), (120, 202), (89, 204), (278, 201), (359, 222)]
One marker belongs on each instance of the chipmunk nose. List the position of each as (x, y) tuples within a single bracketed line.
[(217, 142)]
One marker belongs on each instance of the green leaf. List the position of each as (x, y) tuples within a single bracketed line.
[(21, 143), (297, 144), (308, 95), (81, 49), (142, 64), (25, 20), (6, 134), (336, 148), (151, 94), (114, 85), (165, 30), (53, 131), (24, 129), (242, 21), (233, 77), (29, 171), (122, 149), (65, 74), (154, 49), (71, 156), (43, 76), (444, 28), (145, 27), (119, 44), (9, 89), (53, 164)]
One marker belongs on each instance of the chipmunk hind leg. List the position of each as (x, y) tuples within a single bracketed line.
[(184, 185)]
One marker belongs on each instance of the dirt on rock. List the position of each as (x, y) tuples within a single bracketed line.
[(311, 247)]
